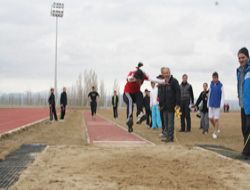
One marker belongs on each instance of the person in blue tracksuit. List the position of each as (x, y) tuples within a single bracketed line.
[(243, 79), (215, 102)]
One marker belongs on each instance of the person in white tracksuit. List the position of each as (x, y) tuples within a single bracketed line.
[(154, 104)]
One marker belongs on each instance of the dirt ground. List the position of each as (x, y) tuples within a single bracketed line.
[(230, 137), (68, 163), (70, 132)]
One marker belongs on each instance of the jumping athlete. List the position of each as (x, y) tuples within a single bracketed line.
[(132, 94)]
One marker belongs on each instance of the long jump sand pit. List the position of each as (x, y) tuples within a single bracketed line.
[(68, 163), (159, 167)]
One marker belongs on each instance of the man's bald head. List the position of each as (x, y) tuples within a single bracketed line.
[(165, 71)]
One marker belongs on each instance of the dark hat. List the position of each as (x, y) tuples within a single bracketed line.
[(244, 51), (146, 90)]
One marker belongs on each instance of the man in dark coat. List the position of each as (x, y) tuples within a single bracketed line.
[(187, 98), (52, 105), (63, 102), (115, 102), (169, 101)]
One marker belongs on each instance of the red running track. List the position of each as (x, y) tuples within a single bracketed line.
[(103, 131), (13, 118)]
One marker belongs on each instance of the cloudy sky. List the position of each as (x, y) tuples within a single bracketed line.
[(111, 36)]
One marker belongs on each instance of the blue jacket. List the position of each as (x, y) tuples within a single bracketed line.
[(215, 95), (245, 88)]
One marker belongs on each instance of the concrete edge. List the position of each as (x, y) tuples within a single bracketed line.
[(221, 156)]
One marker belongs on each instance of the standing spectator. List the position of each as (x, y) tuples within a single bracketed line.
[(154, 104), (115, 103), (225, 107), (243, 78), (204, 109), (63, 102), (52, 105), (160, 90), (215, 101), (169, 101), (187, 95), (93, 96), (146, 104)]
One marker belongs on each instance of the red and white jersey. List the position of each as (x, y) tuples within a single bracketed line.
[(133, 87)]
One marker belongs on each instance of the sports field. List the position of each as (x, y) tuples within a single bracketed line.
[(69, 162)]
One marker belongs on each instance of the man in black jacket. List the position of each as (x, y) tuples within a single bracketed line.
[(115, 102), (187, 97), (52, 105), (203, 108), (146, 105), (169, 101), (63, 102)]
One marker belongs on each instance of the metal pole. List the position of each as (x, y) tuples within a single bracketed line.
[(56, 61)]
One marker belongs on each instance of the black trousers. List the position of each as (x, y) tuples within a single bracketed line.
[(185, 116), (52, 112), (130, 99), (93, 106), (162, 120), (149, 117), (245, 125), (63, 111), (115, 111)]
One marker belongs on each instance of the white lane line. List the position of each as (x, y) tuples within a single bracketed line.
[(120, 142), (86, 129)]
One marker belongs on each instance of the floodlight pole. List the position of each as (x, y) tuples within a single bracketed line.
[(57, 10), (56, 60)]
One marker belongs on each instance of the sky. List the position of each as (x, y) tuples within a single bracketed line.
[(195, 37)]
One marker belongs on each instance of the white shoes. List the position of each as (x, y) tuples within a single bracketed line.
[(140, 116), (216, 134)]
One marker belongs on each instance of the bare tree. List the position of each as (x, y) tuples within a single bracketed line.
[(102, 93), (90, 79)]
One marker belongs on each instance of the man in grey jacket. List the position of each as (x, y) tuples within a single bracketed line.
[(187, 97)]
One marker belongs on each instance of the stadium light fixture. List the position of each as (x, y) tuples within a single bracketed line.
[(57, 10)]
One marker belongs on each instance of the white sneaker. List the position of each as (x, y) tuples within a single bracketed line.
[(214, 135), (140, 116)]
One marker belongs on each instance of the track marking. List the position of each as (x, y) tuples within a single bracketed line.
[(86, 129)]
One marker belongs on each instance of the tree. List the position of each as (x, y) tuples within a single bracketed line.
[(89, 79), (102, 94)]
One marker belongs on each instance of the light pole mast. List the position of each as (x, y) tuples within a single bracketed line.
[(57, 10)]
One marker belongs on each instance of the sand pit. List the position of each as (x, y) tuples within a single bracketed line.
[(160, 167), (69, 163)]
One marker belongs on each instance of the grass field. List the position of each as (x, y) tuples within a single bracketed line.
[(69, 163)]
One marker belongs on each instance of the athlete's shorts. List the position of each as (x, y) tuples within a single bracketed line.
[(214, 113)]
